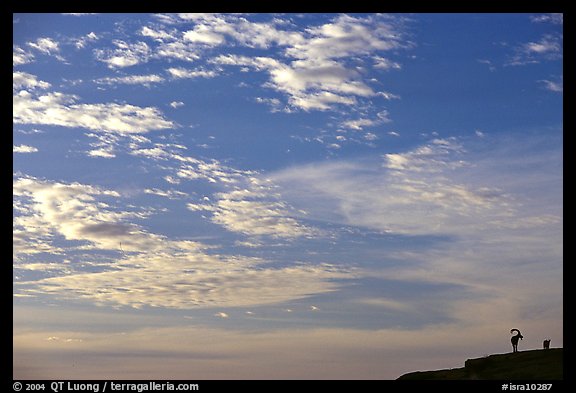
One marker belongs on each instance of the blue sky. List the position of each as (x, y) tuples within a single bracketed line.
[(258, 196)]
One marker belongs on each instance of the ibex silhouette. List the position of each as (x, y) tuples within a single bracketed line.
[(515, 339), (546, 344)]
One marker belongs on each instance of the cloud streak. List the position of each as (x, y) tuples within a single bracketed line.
[(63, 110), (24, 149), (477, 200)]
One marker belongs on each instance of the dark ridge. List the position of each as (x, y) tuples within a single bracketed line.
[(540, 364)]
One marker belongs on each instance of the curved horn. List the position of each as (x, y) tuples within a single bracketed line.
[(514, 330)]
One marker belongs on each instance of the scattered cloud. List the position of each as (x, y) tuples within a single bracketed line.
[(317, 78), (179, 50), (158, 35), (548, 48), (360, 124), (369, 136), (183, 73), (153, 270), (204, 35), (547, 45), (45, 46), (170, 194), (144, 80), (385, 64), (309, 86), (81, 42), (554, 18), (71, 210), (20, 56), (433, 157), (489, 63), (125, 54), (102, 153), (349, 36), (24, 80), (554, 86), (254, 211), (62, 110), (481, 215), (24, 149)]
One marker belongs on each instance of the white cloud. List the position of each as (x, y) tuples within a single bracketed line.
[(170, 194), (82, 41), (24, 149), (45, 45), (184, 51), (203, 34), (159, 35), (548, 48), (105, 145), (359, 124), (433, 157), (318, 77), (71, 210), (184, 73), (309, 86), (493, 212), (20, 56), (555, 86), (554, 18), (145, 80), (214, 29), (125, 54), (60, 109), (102, 153), (27, 81), (348, 36), (154, 270), (253, 211), (385, 64), (245, 203), (260, 217), (545, 45), (176, 104), (432, 189), (274, 103), (197, 280), (369, 136), (320, 101)]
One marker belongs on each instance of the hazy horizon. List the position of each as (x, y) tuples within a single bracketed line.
[(284, 196)]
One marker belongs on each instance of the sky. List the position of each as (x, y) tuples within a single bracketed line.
[(284, 196)]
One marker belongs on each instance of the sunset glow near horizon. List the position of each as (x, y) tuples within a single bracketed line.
[(273, 196)]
